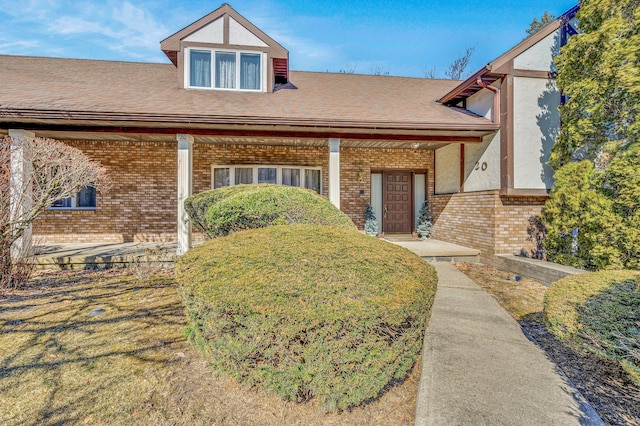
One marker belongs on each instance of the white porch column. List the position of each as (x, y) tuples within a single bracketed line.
[(334, 171), (20, 190), (185, 166)]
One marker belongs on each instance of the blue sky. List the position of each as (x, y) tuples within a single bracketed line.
[(399, 37)]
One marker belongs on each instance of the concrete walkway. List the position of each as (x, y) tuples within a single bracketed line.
[(479, 369)]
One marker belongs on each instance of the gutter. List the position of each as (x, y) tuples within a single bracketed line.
[(68, 117), (496, 98)]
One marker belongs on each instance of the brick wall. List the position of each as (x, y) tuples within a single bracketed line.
[(513, 215), (141, 206), (206, 155), (354, 160), (486, 221)]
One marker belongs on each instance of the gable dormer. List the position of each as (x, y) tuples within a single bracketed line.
[(224, 51)]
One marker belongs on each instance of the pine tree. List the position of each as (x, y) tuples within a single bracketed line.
[(370, 221), (424, 222), (536, 25), (594, 200)]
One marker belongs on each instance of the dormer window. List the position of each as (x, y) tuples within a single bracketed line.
[(224, 69), (224, 51)]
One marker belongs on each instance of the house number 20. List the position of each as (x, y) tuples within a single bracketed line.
[(482, 166)]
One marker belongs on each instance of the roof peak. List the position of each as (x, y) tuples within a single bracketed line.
[(172, 44)]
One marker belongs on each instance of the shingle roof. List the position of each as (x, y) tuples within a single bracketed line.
[(36, 87)]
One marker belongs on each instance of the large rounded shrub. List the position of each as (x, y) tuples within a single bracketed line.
[(307, 311), (225, 210), (600, 312)]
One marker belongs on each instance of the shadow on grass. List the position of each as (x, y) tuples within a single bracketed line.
[(602, 382), (76, 348)]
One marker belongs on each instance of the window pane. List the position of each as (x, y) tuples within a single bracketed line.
[(220, 178), (65, 202), (249, 71), (87, 197), (225, 70), (312, 179), (267, 175), (200, 69), (291, 177), (244, 175)]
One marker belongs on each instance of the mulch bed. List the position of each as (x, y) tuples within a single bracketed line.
[(603, 383)]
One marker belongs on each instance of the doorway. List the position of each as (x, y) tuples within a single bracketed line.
[(397, 197)]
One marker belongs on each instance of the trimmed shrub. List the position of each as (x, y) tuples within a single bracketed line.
[(225, 210), (600, 312), (424, 222), (370, 221), (307, 311)]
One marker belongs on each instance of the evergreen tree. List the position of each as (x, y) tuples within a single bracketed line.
[(536, 25), (424, 222), (599, 73), (582, 228), (370, 221), (596, 195)]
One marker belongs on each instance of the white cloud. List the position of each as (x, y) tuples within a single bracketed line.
[(18, 46), (116, 25), (139, 28), (78, 25)]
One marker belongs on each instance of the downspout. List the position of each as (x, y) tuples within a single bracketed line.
[(496, 99)]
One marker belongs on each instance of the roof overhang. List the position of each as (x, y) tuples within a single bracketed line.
[(72, 125)]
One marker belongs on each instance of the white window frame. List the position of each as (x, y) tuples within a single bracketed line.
[(255, 167), (74, 205), (187, 69)]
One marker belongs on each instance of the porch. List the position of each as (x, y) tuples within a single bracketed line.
[(90, 256)]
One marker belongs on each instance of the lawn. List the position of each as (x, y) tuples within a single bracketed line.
[(109, 348)]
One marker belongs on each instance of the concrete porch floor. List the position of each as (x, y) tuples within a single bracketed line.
[(435, 250), (123, 255)]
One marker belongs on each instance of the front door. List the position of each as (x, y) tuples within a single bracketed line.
[(397, 202)]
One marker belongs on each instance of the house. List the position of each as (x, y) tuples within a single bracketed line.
[(227, 110)]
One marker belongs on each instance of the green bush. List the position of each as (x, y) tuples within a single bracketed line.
[(574, 205), (601, 204), (307, 311), (598, 311), (219, 212)]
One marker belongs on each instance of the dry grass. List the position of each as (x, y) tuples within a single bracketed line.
[(521, 299), (131, 364)]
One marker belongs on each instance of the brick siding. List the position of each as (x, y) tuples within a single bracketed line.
[(141, 206), (142, 203), (486, 221), (355, 160)]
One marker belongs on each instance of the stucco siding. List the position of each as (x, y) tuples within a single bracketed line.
[(448, 169), (482, 164), (481, 102), (540, 56), (211, 33), (241, 36), (536, 122)]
